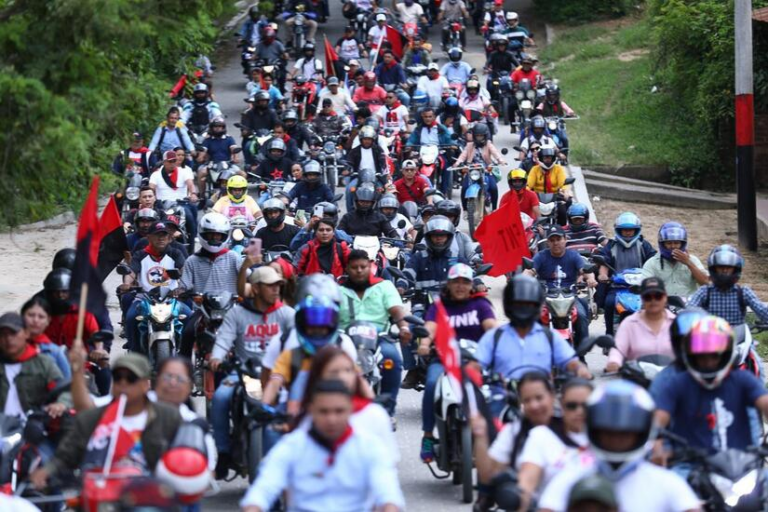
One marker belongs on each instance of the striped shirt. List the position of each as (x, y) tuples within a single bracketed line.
[(203, 274)]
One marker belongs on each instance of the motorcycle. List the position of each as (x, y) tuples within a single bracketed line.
[(214, 306), (366, 339), (559, 311), (412, 74), (728, 480), (627, 286), (501, 93), (300, 29), (360, 23), (478, 200), (304, 97), (455, 34), (176, 209), (392, 249), (241, 232), (745, 358), (330, 159), (372, 246), (130, 193), (526, 97), (549, 204)]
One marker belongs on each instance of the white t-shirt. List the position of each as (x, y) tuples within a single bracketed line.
[(433, 88), (348, 49), (544, 449), (12, 402), (308, 68), (136, 422), (366, 159), (648, 487), (375, 34), (501, 449), (410, 14), (166, 193), (395, 118), (14, 504)]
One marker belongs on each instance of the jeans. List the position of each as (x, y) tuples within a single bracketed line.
[(434, 371), (190, 213), (409, 357), (403, 97), (390, 379), (582, 322)]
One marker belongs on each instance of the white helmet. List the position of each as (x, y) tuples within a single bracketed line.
[(213, 223)]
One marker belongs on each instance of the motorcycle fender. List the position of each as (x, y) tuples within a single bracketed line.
[(160, 335), (444, 392), (472, 191)]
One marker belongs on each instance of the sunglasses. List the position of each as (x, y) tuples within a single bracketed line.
[(129, 377), (169, 378), (572, 406), (653, 296)]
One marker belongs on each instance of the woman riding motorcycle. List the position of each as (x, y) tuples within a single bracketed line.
[(237, 201)]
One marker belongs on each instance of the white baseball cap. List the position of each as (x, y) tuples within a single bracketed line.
[(380, 17), (511, 15), (461, 271)]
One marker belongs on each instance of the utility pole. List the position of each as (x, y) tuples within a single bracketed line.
[(745, 127)]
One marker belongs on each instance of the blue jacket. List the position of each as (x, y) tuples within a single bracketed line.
[(309, 197), (443, 135), (392, 76), (304, 236), (429, 270)]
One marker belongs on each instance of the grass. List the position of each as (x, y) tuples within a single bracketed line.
[(605, 73)]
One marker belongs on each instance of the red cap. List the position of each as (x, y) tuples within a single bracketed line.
[(169, 155)]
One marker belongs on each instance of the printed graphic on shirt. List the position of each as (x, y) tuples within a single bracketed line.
[(157, 276), (256, 336), (719, 421)]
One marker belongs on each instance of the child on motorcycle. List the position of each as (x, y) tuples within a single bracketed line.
[(237, 201)]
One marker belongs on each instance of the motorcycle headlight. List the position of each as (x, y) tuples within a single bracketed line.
[(552, 125), (531, 94), (160, 313), (526, 105), (390, 251), (732, 491), (519, 95), (474, 175), (252, 387), (299, 21), (329, 147), (546, 208), (366, 359), (361, 17), (633, 279), (560, 306), (132, 193)]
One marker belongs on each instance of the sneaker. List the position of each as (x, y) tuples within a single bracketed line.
[(427, 449), (411, 380)]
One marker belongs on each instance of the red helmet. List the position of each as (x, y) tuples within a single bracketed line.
[(184, 467), (369, 76)]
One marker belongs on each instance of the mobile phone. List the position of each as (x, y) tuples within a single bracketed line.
[(301, 215), (254, 247), (318, 211)]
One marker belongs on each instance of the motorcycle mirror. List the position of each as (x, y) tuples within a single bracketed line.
[(504, 151), (605, 341), (123, 269), (527, 263), (173, 273), (401, 224), (517, 148), (484, 269), (411, 121), (238, 125), (569, 181), (413, 319), (675, 301), (420, 331)]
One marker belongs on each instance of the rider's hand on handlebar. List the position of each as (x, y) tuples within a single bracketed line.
[(602, 278), (100, 357), (591, 282), (405, 335), (39, 478), (55, 410), (214, 364), (424, 348)]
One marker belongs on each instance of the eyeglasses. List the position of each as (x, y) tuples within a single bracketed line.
[(653, 296), (572, 406), (170, 378), (129, 377)]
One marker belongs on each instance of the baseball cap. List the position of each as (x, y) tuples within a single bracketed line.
[(159, 227), (137, 135), (380, 17), (354, 62), (136, 363), (556, 231), (12, 321), (652, 285), (593, 488), (511, 15), (333, 81), (408, 164), (460, 271), (327, 102), (433, 65), (264, 275), (169, 155)]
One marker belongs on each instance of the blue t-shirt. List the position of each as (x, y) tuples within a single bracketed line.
[(218, 148), (713, 419), (466, 317), (566, 267)]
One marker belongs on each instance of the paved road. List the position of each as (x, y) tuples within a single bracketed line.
[(423, 492)]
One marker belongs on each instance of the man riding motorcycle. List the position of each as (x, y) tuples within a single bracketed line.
[(549, 177), (306, 8), (201, 110), (462, 242), (277, 165), (310, 190), (500, 61), (481, 151), (364, 219), (456, 70), (308, 65), (682, 272), (527, 199), (260, 116), (277, 231), (580, 231), (327, 122)]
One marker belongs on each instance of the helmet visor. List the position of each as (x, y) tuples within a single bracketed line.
[(320, 316), (708, 343)]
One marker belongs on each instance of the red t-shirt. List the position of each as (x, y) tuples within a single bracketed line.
[(519, 74), (375, 97), (413, 192), (528, 200)]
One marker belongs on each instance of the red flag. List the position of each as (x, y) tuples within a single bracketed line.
[(113, 242), (87, 255), (502, 237), (448, 348), (331, 58), (397, 40)]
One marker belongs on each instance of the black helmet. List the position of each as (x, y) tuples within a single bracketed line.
[(145, 214), (449, 209), (538, 123), (308, 47), (725, 256), (480, 130), (523, 289), (261, 96), (290, 115), (253, 12), (330, 211), (439, 225), (365, 193), (270, 205), (389, 201), (64, 258), (552, 93), (455, 54), (57, 280)]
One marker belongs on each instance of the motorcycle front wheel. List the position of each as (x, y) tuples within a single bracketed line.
[(255, 452), (466, 463), (162, 351), (475, 213)]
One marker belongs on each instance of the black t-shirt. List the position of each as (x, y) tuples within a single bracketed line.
[(271, 238)]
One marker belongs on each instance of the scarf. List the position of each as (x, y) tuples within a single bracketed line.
[(41, 339), (331, 446), (325, 256), (286, 267), (153, 253), (30, 351), (548, 182), (99, 442), (359, 403), (390, 65), (211, 255), (170, 179)]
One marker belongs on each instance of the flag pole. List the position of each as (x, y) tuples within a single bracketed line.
[(81, 312), (378, 47), (116, 425)]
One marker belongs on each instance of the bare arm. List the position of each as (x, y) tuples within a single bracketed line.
[(528, 480)]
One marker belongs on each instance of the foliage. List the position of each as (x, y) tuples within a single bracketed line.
[(77, 77), (581, 11)]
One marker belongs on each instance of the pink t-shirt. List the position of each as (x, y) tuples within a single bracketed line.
[(375, 97), (635, 339)]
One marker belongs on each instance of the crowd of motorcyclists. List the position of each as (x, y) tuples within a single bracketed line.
[(296, 314)]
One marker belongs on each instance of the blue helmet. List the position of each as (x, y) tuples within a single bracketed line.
[(672, 232), (578, 210), (627, 220), (620, 406), (725, 256), (420, 98), (451, 101), (316, 312)]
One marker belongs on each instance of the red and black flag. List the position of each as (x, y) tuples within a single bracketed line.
[(113, 242), (398, 41), (86, 258), (332, 61)]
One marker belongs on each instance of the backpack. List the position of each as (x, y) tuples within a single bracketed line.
[(199, 115)]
